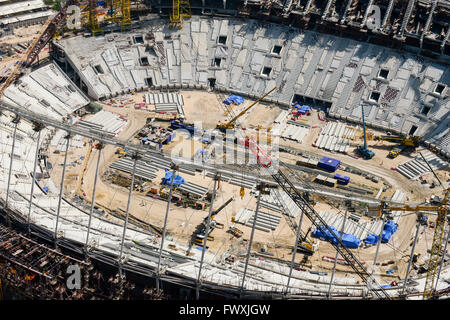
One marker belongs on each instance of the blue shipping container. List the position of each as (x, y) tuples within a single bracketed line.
[(342, 179), (329, 164)]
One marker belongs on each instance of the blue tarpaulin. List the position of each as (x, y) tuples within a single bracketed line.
[(177, 180), (233, 98), (386, 236), (45, 189), (371, 239), (390, 227), (349, 240)]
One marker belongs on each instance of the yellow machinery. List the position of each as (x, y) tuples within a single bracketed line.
[(230, 124), (180, 9), (409, 142), (91, 18), (442, 209), (120, 12), (404, 143)]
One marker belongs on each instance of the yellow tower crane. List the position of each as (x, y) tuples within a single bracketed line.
[(90, 18), (121, 13), (442, 209), (180, 9)]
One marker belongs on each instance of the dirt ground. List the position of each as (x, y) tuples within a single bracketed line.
[(182, 222)]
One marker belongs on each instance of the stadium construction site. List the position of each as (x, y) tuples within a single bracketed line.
[(235, 149)]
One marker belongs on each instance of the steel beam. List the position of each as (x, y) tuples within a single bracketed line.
[(378, 247), (197, 291), (34, 179), (93, 196), (169, 199), (61, 188), (261, 190), (16, 122), (127, 214), (444, 253), (297, 238), (388, 13), (411, 257), (336, 257)]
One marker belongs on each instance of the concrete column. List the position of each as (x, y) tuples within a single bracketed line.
[(411, 257), (297, 238), (208, 222), (93, 196), (224, 4), (61, 188), (127, 213), (165, 225), (34, 178), (261, 189), (16, 122), (336, 257)]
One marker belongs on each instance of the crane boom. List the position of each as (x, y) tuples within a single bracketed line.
[(230, 124), (409, 142), (48, 30), (318, 222)]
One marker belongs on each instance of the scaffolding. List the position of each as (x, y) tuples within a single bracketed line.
[(91, 17), (121, 13), (180, 9)]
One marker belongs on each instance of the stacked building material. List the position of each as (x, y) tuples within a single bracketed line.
[(335, 136), (295, 131), (105, 122), (414, 168), (143, 169), (193, 189), (166, 102), (265, 222), (272, 202)]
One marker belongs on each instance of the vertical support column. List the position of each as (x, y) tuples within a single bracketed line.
[(378, 247), (34, 178), (366, 13), (444, 42), (327, 8), (61, 188), (297, 238), (428, 23), (349, 3), (412, 256), (135, 156), (261, 190), (308, 5), (336, 257), (408, 11), (99, 148), (208, 222), (388, 13), (163, 236), (443, 257), (16, 122)]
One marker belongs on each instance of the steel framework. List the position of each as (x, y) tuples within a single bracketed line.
[(180, 9)]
